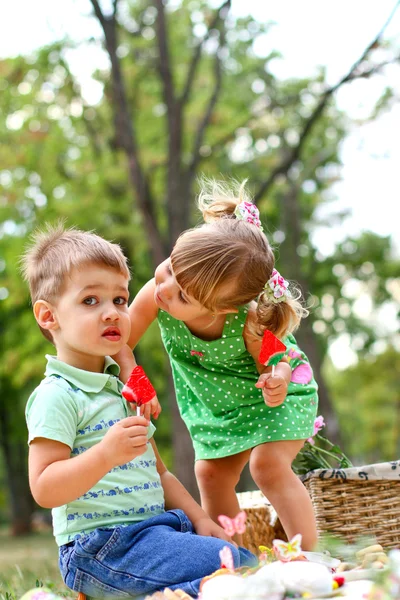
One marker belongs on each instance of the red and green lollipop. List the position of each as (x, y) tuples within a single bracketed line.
[(272, 351), (138, 388)]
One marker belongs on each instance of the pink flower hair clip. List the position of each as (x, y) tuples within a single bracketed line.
[(277, 288), (247, 211)]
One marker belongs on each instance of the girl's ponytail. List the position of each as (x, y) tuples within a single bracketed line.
[(218, 199), (279, 308)]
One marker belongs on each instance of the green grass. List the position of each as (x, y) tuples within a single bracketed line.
[(28, 562)]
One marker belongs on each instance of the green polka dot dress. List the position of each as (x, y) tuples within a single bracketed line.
[(215, 389)]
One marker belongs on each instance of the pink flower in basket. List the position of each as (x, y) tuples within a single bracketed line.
[(319, 424)]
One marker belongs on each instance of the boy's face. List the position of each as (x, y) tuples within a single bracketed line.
[(91, 317)]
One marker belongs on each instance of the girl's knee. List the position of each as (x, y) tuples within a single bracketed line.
[(209, 474), (267, 471)]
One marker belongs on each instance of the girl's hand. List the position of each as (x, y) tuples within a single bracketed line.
[(126, 362), (151, 409), (206, 526), (274, 389)]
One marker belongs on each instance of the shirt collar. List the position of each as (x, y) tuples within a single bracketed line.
[(86, 381)]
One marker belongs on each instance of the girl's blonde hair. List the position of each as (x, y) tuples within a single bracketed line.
[(226, 262)]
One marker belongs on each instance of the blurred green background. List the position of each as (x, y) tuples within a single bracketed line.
[(176, 90)]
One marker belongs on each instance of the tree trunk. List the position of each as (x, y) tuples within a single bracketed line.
[(182, 446), (21, 501), (292, 226), (15, 463)]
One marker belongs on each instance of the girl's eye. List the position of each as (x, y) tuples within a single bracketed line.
[(169, 269), (182, 298), (91, 301), (120, 300)]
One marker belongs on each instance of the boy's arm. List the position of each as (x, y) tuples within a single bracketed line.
[(274, 388), (56, 479), (177, 496)]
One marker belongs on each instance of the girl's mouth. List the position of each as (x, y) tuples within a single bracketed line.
[(159, 300)]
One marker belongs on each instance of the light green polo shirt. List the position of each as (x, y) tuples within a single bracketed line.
[(77, 408)]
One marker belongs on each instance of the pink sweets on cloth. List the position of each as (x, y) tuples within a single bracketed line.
[(272, 350), (138, 388)]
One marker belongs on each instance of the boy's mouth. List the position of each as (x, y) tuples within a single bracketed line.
[(112, 334)]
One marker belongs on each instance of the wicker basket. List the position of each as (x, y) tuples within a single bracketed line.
[(262, 524), (356, 502), (348, 503)]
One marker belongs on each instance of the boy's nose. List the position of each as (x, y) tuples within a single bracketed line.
[(111, 313)]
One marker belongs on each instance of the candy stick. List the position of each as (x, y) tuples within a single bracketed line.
[(272, 351), (138, 388)]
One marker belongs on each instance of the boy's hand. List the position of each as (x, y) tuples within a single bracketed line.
[(206, 526), (125, 440), (274, 389), (151, 409)]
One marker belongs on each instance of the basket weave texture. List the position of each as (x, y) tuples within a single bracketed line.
[(263, 525), (356, 502), (348, 503)]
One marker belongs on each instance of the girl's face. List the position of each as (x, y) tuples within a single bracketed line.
[(171, 298)]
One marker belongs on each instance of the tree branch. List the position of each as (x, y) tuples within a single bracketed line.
[(197, 54), (204, 122), (352, 74), (164, 62), (98, 12), (125, 132)]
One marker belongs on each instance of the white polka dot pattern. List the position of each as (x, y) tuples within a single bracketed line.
[(216, 394)]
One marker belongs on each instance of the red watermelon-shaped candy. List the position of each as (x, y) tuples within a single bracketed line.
[(272, 350), (138, 388)]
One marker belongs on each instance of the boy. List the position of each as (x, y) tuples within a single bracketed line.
[(90, 459)]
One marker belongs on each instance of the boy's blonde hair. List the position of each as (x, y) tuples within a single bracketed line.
[(226, 262), (55, 251)]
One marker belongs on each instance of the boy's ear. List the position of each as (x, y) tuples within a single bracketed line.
[(45, 315)]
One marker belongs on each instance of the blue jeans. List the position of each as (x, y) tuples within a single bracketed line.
[(144, 557)]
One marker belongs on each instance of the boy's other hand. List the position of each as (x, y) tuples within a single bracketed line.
[(206, 526), (125, 440)]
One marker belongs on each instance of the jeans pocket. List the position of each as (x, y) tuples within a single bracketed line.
[(91, 586), (64, 557), (97, 543)]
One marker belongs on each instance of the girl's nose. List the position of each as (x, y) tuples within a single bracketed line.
[(167, 289)]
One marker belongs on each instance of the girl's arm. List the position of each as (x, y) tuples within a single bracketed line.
[(274, 388), (177, 496), (143, 311)]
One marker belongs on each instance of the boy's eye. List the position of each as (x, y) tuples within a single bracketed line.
[(120, 300), (90, 301)]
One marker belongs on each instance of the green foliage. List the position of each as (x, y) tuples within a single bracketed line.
[(63, 160), (320, 455), (367, 399)]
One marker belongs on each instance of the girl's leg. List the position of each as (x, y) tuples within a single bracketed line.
[(271, 469), (217, 479)]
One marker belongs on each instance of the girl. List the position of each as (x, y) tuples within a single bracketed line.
[(213, 298)]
